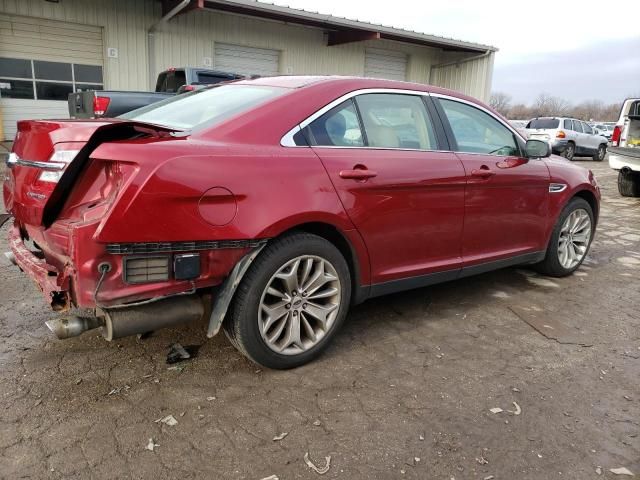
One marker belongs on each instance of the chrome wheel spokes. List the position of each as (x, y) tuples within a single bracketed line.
[(574, 239), (299, 305)]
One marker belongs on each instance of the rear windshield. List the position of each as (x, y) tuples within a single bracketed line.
[(544, 123), (204, 107)]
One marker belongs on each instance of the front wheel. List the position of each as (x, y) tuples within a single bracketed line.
[(570, 240), (291, 302), (600, 154)]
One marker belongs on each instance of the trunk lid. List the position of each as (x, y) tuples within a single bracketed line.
[(46, 159)]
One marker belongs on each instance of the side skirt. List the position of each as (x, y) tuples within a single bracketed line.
[(420, 281)]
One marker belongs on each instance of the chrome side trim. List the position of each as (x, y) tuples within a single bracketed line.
[(287, 140), (557, 187), (13, 160)]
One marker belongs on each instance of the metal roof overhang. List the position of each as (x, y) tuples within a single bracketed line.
[(340, 30)]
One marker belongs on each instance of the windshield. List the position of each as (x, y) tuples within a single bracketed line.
[(544, 123), (206, 106)]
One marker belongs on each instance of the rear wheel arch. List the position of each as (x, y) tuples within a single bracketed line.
[(339, 239)]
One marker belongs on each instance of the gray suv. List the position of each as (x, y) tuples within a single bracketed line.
[(568, 136)]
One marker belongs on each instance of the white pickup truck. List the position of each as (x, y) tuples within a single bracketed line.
[(624, 153)]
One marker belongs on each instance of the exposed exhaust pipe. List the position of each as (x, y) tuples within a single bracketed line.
[(11, 257), (73, 326), (122, 322)]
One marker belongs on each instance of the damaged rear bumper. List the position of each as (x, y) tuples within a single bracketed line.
[(53, 284)]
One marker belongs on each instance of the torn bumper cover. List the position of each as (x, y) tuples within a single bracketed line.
[(54, 284)]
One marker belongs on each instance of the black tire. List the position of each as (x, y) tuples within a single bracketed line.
[(629, 183), (600, 154), (551, 265), (242, 323), (570, 151)]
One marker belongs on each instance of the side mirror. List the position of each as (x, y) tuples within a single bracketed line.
[(537, 149)]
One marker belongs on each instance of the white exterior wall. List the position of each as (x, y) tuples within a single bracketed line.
[(189, 40), (472, 77)]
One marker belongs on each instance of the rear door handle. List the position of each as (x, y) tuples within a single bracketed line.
[(358, 174), (482, 172)]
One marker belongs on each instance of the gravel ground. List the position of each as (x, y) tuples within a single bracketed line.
[(405, 391)]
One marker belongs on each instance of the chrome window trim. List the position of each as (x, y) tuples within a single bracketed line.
[(13, 160), (287, 139)]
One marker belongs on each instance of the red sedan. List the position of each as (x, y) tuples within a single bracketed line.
[(270, 206)]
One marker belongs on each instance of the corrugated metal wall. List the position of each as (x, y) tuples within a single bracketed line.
[(189, 40), (472, 77)]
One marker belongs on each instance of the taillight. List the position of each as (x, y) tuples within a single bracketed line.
[(100, 105), (561, 134), (189, 88), (615, 136), (64, 156)]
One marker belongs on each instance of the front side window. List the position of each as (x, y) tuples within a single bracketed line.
[(476, 131), (339, 127), (587, 129), (204, 107)]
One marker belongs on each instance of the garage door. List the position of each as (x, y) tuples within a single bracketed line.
[(246, 60), (387, 64), (41, 62)]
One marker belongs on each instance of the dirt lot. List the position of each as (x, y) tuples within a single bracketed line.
[(404, 392)]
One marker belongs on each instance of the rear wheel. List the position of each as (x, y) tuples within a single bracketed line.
[(291, 302), (629, 183), (570, 151), (570, 240), (600, 154)]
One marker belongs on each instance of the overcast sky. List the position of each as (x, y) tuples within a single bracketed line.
[(579, 50)]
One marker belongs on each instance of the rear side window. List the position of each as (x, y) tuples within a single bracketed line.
[(544, 123), (396, 121), (576, 126), (170, 81), (339, 127), (209, 78), (476, 131), (567, 124)]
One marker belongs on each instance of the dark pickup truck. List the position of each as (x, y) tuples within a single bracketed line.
[(111, 103)]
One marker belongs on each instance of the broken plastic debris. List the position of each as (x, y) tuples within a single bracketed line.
[(178, 353), (151, 445), (489, 477), (168, 420), (317, 423), (482, 460), (211, 399), (517, 411), (621, 471), (280, 437), (271, 477), (496, 410), (312, 466), (599, 470), (421, 437)]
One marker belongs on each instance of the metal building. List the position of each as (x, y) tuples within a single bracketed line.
[(49, 48)]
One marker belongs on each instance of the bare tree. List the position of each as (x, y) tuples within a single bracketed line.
[(546, 105), (501, 102)]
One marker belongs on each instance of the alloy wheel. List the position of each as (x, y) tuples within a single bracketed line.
[(575, 235), (569, 152), (299, 305)]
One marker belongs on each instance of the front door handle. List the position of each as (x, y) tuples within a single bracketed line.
[(482, 172), (358, 174)]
